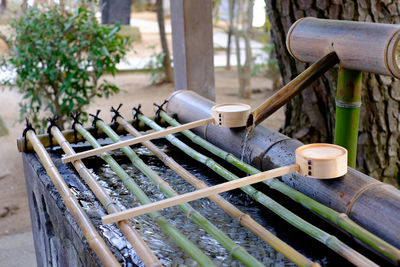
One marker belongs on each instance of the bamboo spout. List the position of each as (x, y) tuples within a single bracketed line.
[(295, 86), (362, 46)]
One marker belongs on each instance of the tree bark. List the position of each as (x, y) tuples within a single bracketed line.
[(310, 117), (169, 75)]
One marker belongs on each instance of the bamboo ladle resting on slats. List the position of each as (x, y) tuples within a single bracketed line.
[(320, 161), (225, 115)]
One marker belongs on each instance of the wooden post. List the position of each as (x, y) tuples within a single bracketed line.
[(192, 43)]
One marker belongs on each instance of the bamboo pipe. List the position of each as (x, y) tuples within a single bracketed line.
[(348, 103), (140, 246), (295, 86), (329, 240), (133, 141), (94, 239), (69, 135), (243, 218), (362, 46), (169, 229), (201, 193), (233, 248), (339, 219)]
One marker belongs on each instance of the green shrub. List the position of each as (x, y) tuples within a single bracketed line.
[(59, 58), (155, 67)]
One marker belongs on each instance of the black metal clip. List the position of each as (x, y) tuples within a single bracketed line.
[(160, 107), (75, 118), (52, 122), (114, 124), (137, 112), (28, 126), (94, 124)]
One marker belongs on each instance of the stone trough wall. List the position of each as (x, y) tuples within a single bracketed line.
[(57, 237)]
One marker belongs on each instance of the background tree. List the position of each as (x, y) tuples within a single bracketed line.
[(59, 58), (310, 116), (230, 32), (3, 5), (242, 30), (169, 74)]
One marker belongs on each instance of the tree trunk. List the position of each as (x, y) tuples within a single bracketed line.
[(24, 5), (230, 32), (310, 116), (169, 75), (3, 5), (244, 18)]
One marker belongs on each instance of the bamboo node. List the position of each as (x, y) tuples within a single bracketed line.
[(241, 216), (236, 246), (110, 203), (155, 218), (83, 168), (340, 217)]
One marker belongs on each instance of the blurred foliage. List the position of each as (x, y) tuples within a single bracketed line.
[(139, 5), (155, 66), (59, 58)]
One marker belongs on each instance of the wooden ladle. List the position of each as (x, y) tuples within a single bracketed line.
[(320, 161), (224, 115)]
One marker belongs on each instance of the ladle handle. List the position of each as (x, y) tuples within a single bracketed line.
[(136, 140), (295, 86), (201, 193)]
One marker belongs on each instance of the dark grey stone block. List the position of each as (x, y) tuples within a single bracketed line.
[(57, 237), (116, 11)]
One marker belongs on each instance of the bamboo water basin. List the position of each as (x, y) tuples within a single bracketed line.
[(168, 253), (162, 246)]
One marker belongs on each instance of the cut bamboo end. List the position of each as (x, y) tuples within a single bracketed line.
[(230, 115), (363, 46), (322, 161)]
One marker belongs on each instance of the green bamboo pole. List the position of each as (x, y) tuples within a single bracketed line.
[(243, 218), (348, 102), (137, 242), (340, 219), (234, 249), (330, 241), (170, 230)]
